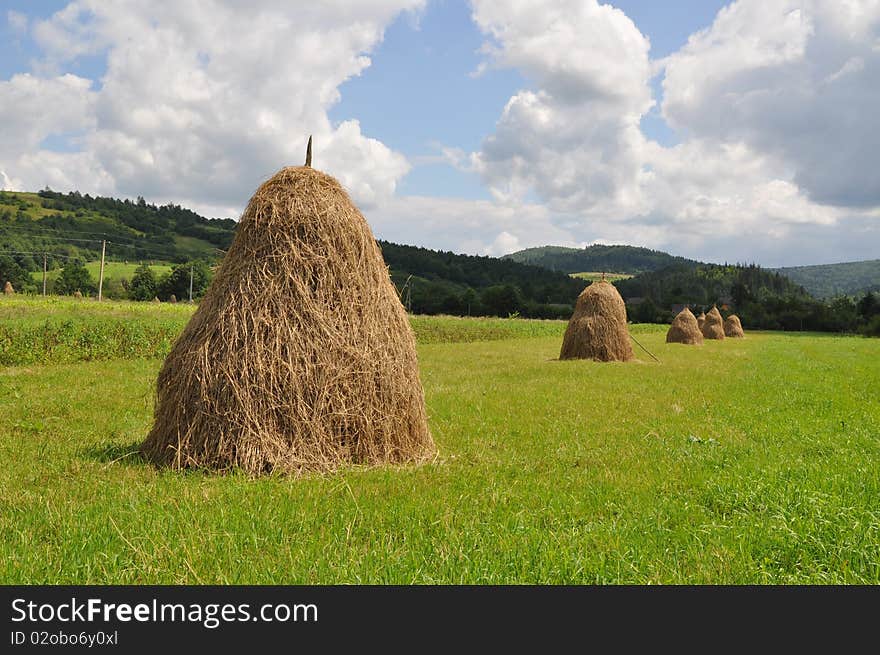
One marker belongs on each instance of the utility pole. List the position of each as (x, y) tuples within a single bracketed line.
[(44, 275), (101, 276), (190, 282)]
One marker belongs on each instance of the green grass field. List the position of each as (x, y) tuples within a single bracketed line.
[(592, 276), (747, 461), (112, 271)]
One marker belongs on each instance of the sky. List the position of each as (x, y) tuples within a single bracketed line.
[(741, 131)]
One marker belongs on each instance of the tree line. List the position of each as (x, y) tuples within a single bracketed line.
[(762, 299), (144, 283), (428, 281), (442, 282)]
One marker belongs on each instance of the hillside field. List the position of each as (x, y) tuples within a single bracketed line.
[(742, 461), (592, 276)]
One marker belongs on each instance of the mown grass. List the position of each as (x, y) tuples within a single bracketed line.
[(753, 461)]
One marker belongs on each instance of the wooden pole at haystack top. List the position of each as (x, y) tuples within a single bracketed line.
[(309, 153), (101, 276)]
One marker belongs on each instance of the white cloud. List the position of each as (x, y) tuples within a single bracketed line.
[(776, 105), (17, 21), (200, 100), (575, 140), (32, 108), (469, 226), (798, 79)]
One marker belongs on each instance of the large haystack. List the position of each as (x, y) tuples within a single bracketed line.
[(713, 326), (300, 357), (700, 320), (597, 329), (733, 327), (684, 329), (8, 289)]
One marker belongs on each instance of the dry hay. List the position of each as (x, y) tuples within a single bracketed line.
[(300, 357), (684, 329), (8, 289), (733, 327), (155, 299), (701, 319), (713, 327), (597, 329), (172, 299), (77, 294)]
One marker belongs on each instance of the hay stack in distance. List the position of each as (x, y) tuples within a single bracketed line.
[(701, 319), (713, 326), (300, 357), (77, 294), (172, 299), (684, 329), (155, 299), (733, 327), (597, 329), (8, 290)]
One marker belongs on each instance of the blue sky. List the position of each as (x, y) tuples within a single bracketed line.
[(420, 90), (480, 126), (20, 50)]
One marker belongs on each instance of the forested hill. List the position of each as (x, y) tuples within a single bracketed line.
[(760, 297), (72, 226), (610, 259), (830, 280), (708, 284), (434, 281)]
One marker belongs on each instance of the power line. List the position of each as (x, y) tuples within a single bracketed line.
[(151, 248), (34, 225), (72, 236), (34, 229), (69, 239), (28, 252), (17, 230), (141, 247)]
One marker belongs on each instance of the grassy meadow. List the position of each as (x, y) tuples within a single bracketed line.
[(743, 461)]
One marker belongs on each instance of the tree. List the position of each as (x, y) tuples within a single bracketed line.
[(143, 285), (10, 271), (470, 302), (75, 277), (869, 306), (644, 312), (740, 293), (177, 282), (501, 300)]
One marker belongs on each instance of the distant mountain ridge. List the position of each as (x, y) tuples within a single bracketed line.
[(830, 280), (611, 259), (820, 280)]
